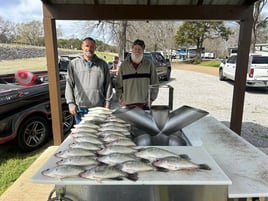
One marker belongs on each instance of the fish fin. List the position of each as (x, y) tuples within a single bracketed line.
[(204, 167), (160, 169), (132, 177), (145, 160), (117, 178), (118, 166), (185, 156), (141, 149)]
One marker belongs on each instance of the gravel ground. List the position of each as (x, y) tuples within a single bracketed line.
[(206, 92)]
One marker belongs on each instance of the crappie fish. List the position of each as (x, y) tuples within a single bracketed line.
[(177, 163), (84, 129), (116, 158), (116, 124), (115, 119), (85, 145), (113, 128), (93, 119), (100, 173), (132, 167), (102, 110), (90, 139), (113, 137), (96, 115), (109, 132), (116, 149), (83, 134), (123, 142), (74, 152), (154, 153), (86, 125), (60, 172), (78, 161)]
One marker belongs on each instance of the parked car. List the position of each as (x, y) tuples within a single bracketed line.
[(25, 112), (162, 65), (64, 62), (257, 75)]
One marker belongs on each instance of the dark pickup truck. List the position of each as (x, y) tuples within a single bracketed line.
[(162, 65), (25, 114)]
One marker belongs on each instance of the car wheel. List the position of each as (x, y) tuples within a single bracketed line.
[(221, 76), (33, 133), (167, 78), (68, 120)]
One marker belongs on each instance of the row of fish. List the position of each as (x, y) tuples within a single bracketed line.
[(102, 148)]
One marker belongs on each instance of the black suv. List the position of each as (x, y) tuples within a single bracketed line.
[(162, 65)]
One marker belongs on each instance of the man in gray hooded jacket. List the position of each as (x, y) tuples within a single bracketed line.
[(88, 82)]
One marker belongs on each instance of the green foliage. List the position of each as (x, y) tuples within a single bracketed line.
[(13, 163), (193, 33), (29, 32), (211, 63)]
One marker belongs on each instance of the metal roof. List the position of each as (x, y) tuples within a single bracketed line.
[(153, 2), (146, 9), (240, 10)]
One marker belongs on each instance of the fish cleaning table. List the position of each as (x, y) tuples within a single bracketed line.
[(191, 185), (242, 162)]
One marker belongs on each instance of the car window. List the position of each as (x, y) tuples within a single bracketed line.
[(159, 57), (260, 60), (232, 60), (148, 56)]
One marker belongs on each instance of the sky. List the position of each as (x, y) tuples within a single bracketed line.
[(23, 11), (18, 11)]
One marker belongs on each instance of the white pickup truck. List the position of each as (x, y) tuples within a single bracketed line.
[(257, 75)]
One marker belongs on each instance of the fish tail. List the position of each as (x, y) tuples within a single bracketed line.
[(204, 167), (185, 156), (132, 177), (161, 169)]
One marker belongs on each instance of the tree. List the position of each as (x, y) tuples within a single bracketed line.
[(7, 33), (30, 32), (158, 35), (195, 32), (259, 23)]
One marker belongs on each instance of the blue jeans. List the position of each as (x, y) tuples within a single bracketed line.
[(80, 113)]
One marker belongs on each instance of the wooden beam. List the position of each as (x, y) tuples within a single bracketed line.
[(241, 72), (53, 79), (144, 12)]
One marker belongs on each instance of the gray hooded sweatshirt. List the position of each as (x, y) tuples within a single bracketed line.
[(88, 85)]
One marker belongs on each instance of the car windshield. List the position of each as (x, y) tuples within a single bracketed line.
[(260, 60), (147, 55)]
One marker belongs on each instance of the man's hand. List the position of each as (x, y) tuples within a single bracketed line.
[(123, 103), (73, 110)]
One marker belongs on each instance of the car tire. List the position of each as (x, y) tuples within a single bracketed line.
[(68, 120), (221, 76), (33, 133), (167, 78)]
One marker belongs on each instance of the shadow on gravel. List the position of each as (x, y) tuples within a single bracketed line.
[(251, 90), (254, 133)]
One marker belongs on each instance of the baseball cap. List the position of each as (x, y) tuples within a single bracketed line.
[(140, 43)]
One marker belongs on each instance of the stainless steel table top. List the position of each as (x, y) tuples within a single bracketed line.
[(215, 176)]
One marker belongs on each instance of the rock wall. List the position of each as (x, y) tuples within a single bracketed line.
[(19, 52)]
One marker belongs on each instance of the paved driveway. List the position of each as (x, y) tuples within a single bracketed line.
[(205, 91)]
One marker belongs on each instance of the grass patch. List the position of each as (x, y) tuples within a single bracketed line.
[(37, 64), (211, 63), (14, 163)]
